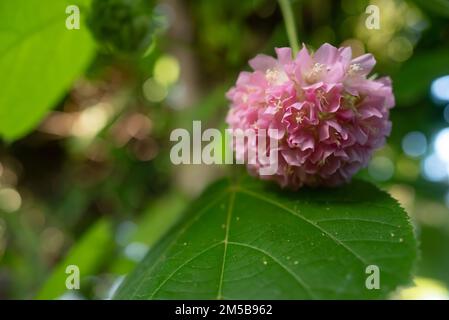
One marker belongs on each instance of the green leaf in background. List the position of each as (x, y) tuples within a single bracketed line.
[(157, 219), (439, 7), (250, 240), (39, 60), (413, 81), (88, 254)]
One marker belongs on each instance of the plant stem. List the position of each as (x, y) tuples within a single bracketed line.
[(289, 21)]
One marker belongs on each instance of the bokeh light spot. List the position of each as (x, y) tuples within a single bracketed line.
[(442, 145), (381, 168), (166, 70), (434, 169), (400, 49), (440, 89), (136, 251), (414, 144), (425, 289), (91, 120), (10, 200), (357, 46), (154, 91)]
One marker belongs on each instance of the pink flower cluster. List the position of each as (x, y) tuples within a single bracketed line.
[(329, 115)]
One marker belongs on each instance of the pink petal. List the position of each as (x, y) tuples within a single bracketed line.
[(262, 62), (326, 54), (345, 55), (284, 55)]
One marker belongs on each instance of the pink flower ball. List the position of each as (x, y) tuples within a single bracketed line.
[(329, 115)]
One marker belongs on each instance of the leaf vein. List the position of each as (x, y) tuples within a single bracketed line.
[(296, 214), (228, 222), (182, 265), (300, 281)]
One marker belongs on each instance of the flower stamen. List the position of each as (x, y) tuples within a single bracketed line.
[(354, 69)]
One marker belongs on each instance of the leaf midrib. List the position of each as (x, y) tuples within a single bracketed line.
[(228, 223)]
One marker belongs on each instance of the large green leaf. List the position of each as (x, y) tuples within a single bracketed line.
[(250, 240), (39, 60)]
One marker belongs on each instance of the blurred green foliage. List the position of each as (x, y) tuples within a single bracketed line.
[(124, 25), (88, 254)]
